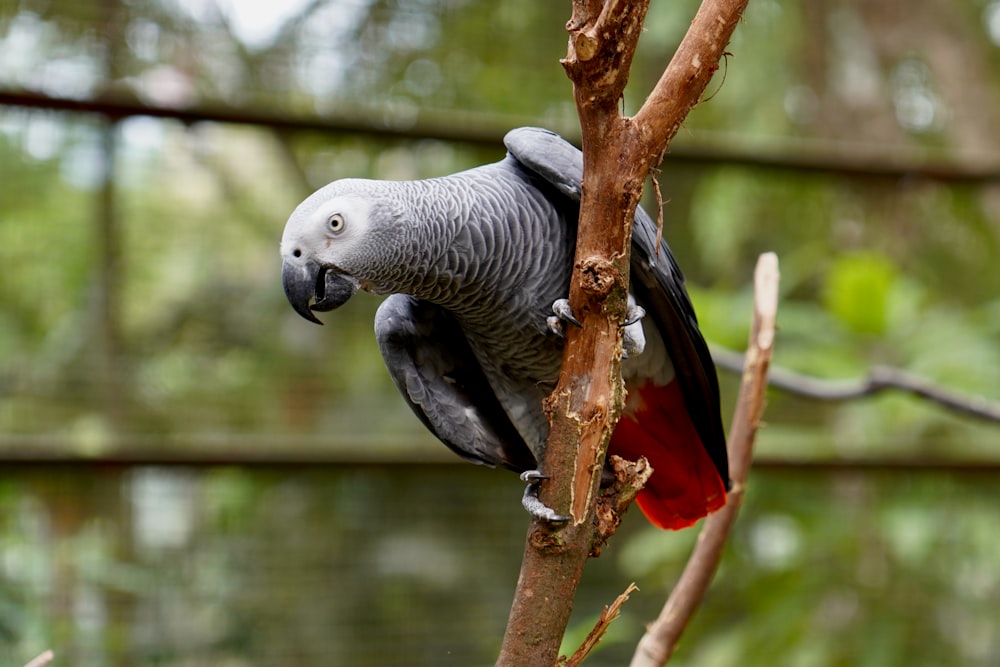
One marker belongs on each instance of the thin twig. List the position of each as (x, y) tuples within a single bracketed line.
[(42, 660), (653, 174), (609, 614), (879, 379), (657, 645)]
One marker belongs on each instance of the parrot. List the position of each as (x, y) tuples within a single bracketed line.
[(476, 266)]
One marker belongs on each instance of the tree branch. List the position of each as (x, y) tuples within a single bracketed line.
[(618, 153), (685, 79), (879, 379), (657, 645)]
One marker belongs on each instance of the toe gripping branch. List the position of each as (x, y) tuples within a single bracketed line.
[(633, 344), (532, 504), (562, 314), (634, 314)]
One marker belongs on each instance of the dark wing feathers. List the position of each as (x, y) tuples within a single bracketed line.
[(435, 370), (658, 285), (656, 282)]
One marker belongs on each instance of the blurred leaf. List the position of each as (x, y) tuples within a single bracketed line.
[(857, 291)]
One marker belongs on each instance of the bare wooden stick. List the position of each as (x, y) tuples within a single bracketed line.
[(42, 660), (657, 645)]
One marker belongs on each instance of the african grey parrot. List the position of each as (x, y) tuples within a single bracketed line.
[(475, 263)]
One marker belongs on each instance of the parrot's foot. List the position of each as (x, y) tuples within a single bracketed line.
[(633, 338), (563, 313), (634, 341), (532, 504), (634, 314)]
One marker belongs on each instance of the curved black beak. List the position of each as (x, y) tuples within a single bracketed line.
[(306, 281)]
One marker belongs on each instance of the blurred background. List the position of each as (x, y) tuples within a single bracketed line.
[(191, 474)]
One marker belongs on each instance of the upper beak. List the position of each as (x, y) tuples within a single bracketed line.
[(306, 281)]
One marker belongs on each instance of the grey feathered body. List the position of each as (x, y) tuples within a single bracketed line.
[(489, 246), (472, 264)]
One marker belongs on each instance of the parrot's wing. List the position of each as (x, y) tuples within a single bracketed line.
[(658, 286), (440, 378), (550, 156)]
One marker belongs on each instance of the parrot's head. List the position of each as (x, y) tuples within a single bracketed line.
[(332, 246)]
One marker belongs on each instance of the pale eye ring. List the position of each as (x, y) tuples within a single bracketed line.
[(335, 223)]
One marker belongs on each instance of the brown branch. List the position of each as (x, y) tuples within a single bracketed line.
[(630, 477), (657, 645), (618, 153), (879, 379), (685, 79)]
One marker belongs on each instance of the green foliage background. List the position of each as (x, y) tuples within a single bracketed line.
[(141, 315)]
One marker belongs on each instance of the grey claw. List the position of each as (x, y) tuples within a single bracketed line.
[(634, 314), (532, 504), (538, 509), (562, 310), (633, 339)]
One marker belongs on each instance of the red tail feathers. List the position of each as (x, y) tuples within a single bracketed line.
[(685, 485)]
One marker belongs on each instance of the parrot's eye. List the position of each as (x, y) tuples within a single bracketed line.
[(335, 223)]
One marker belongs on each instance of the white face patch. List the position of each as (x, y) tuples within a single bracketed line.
[(326, 228)]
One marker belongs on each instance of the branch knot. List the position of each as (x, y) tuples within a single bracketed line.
[(585, 46), (598, 277)]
